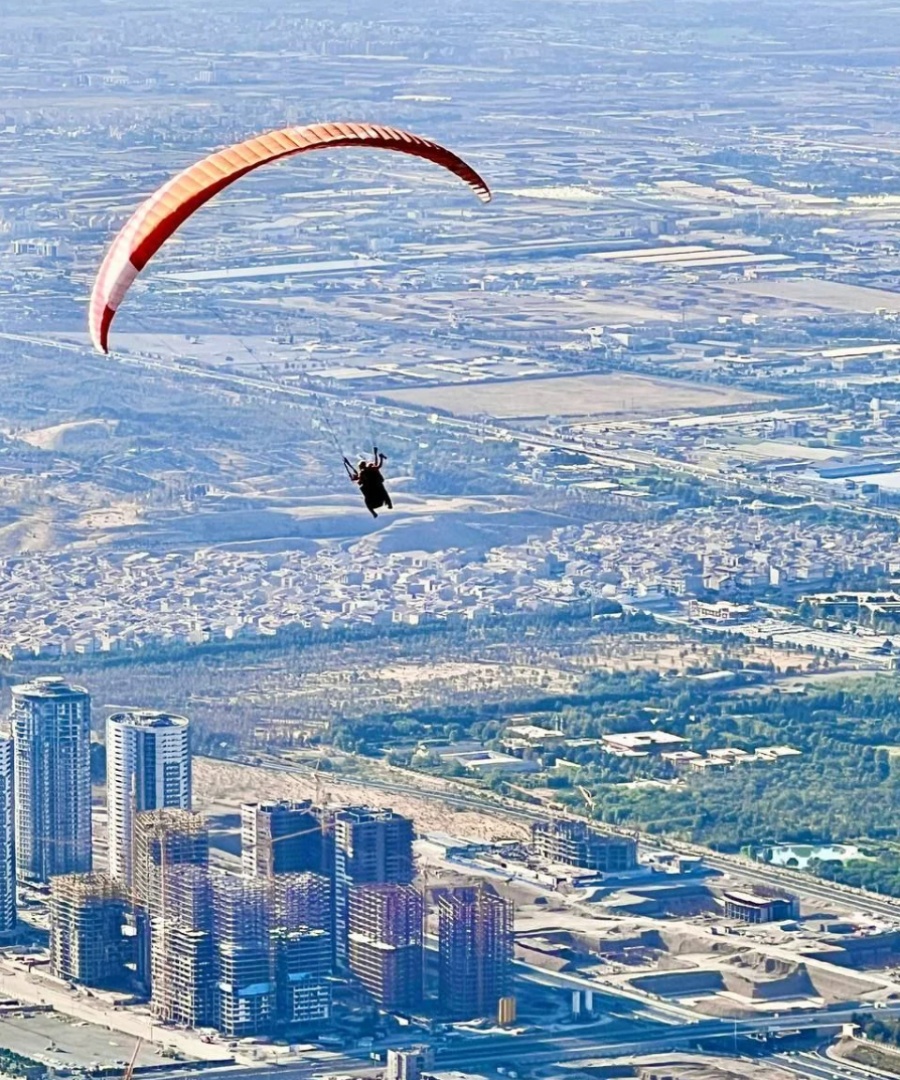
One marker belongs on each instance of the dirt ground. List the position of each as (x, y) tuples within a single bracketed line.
[(576, 395), (218, 786)]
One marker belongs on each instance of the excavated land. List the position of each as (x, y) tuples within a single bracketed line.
[(722, 971), (683, 1067)]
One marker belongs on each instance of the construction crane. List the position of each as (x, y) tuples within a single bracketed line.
[(129, 1068), (589, 798), (322, 827)]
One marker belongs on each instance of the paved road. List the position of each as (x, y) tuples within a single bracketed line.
[(482, 1053), (537, 1050)]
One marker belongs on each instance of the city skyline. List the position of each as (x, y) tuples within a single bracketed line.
[(584, 754)]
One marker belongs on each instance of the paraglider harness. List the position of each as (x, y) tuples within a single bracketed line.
[(370, 481)]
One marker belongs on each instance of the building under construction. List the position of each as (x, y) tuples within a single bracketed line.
[(302, 900), (475, 950), (164, 840), (245, 977), (87, 919), (575, 843), (303, 947), (284, 838), (371, 847), (183, 976), (303, 966), (385, 944), (760, 904)]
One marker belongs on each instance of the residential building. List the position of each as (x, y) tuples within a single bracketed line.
[(163, 841), (282, 838), (475, 948), (148, 767), (183, 984), (51, 725), (303, 967), (371, 847), (385, 944), (245, 982), (87, 917), (7, 840)]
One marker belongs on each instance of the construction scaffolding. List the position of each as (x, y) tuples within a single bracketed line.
[(283, 838), (163, 839), (302, 900), (244, 957), (183, 974), (475, 950), (575, 843), (87, 918), (385, 943), (167, 909)]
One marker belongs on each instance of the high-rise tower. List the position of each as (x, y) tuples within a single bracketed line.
[(282, 838), (7, 840), (87, 915), (371, 847), (475, 948), (51, 724), (148, 767), (385, 944), (163, 841)]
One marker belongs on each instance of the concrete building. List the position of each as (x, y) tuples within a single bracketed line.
[(148, 767), (303, 967), (282, 838), (371, 847), (409, 1064), (303, 947), (385, 944), (87, 917), (7, 840), (183, 989), (164, 840), (575, 843), (51, 725), (475, 949), (302, 900), (762, 904), (245, 982)]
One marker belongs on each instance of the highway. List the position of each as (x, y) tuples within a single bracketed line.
[(483, 1053), (814, 1066), (539, 1050)]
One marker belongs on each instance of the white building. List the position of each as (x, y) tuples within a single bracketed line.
[(7, 840), (148, 767), (51, 724)]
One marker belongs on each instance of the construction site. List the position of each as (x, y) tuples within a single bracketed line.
[(327, 915), (87, 914)]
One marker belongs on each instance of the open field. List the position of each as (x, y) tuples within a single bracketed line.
[(221, 786), (51, 1038), (523, 307), (576, 395), (812, 292)]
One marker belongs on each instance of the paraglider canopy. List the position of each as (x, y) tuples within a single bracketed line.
[(169, 207)]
